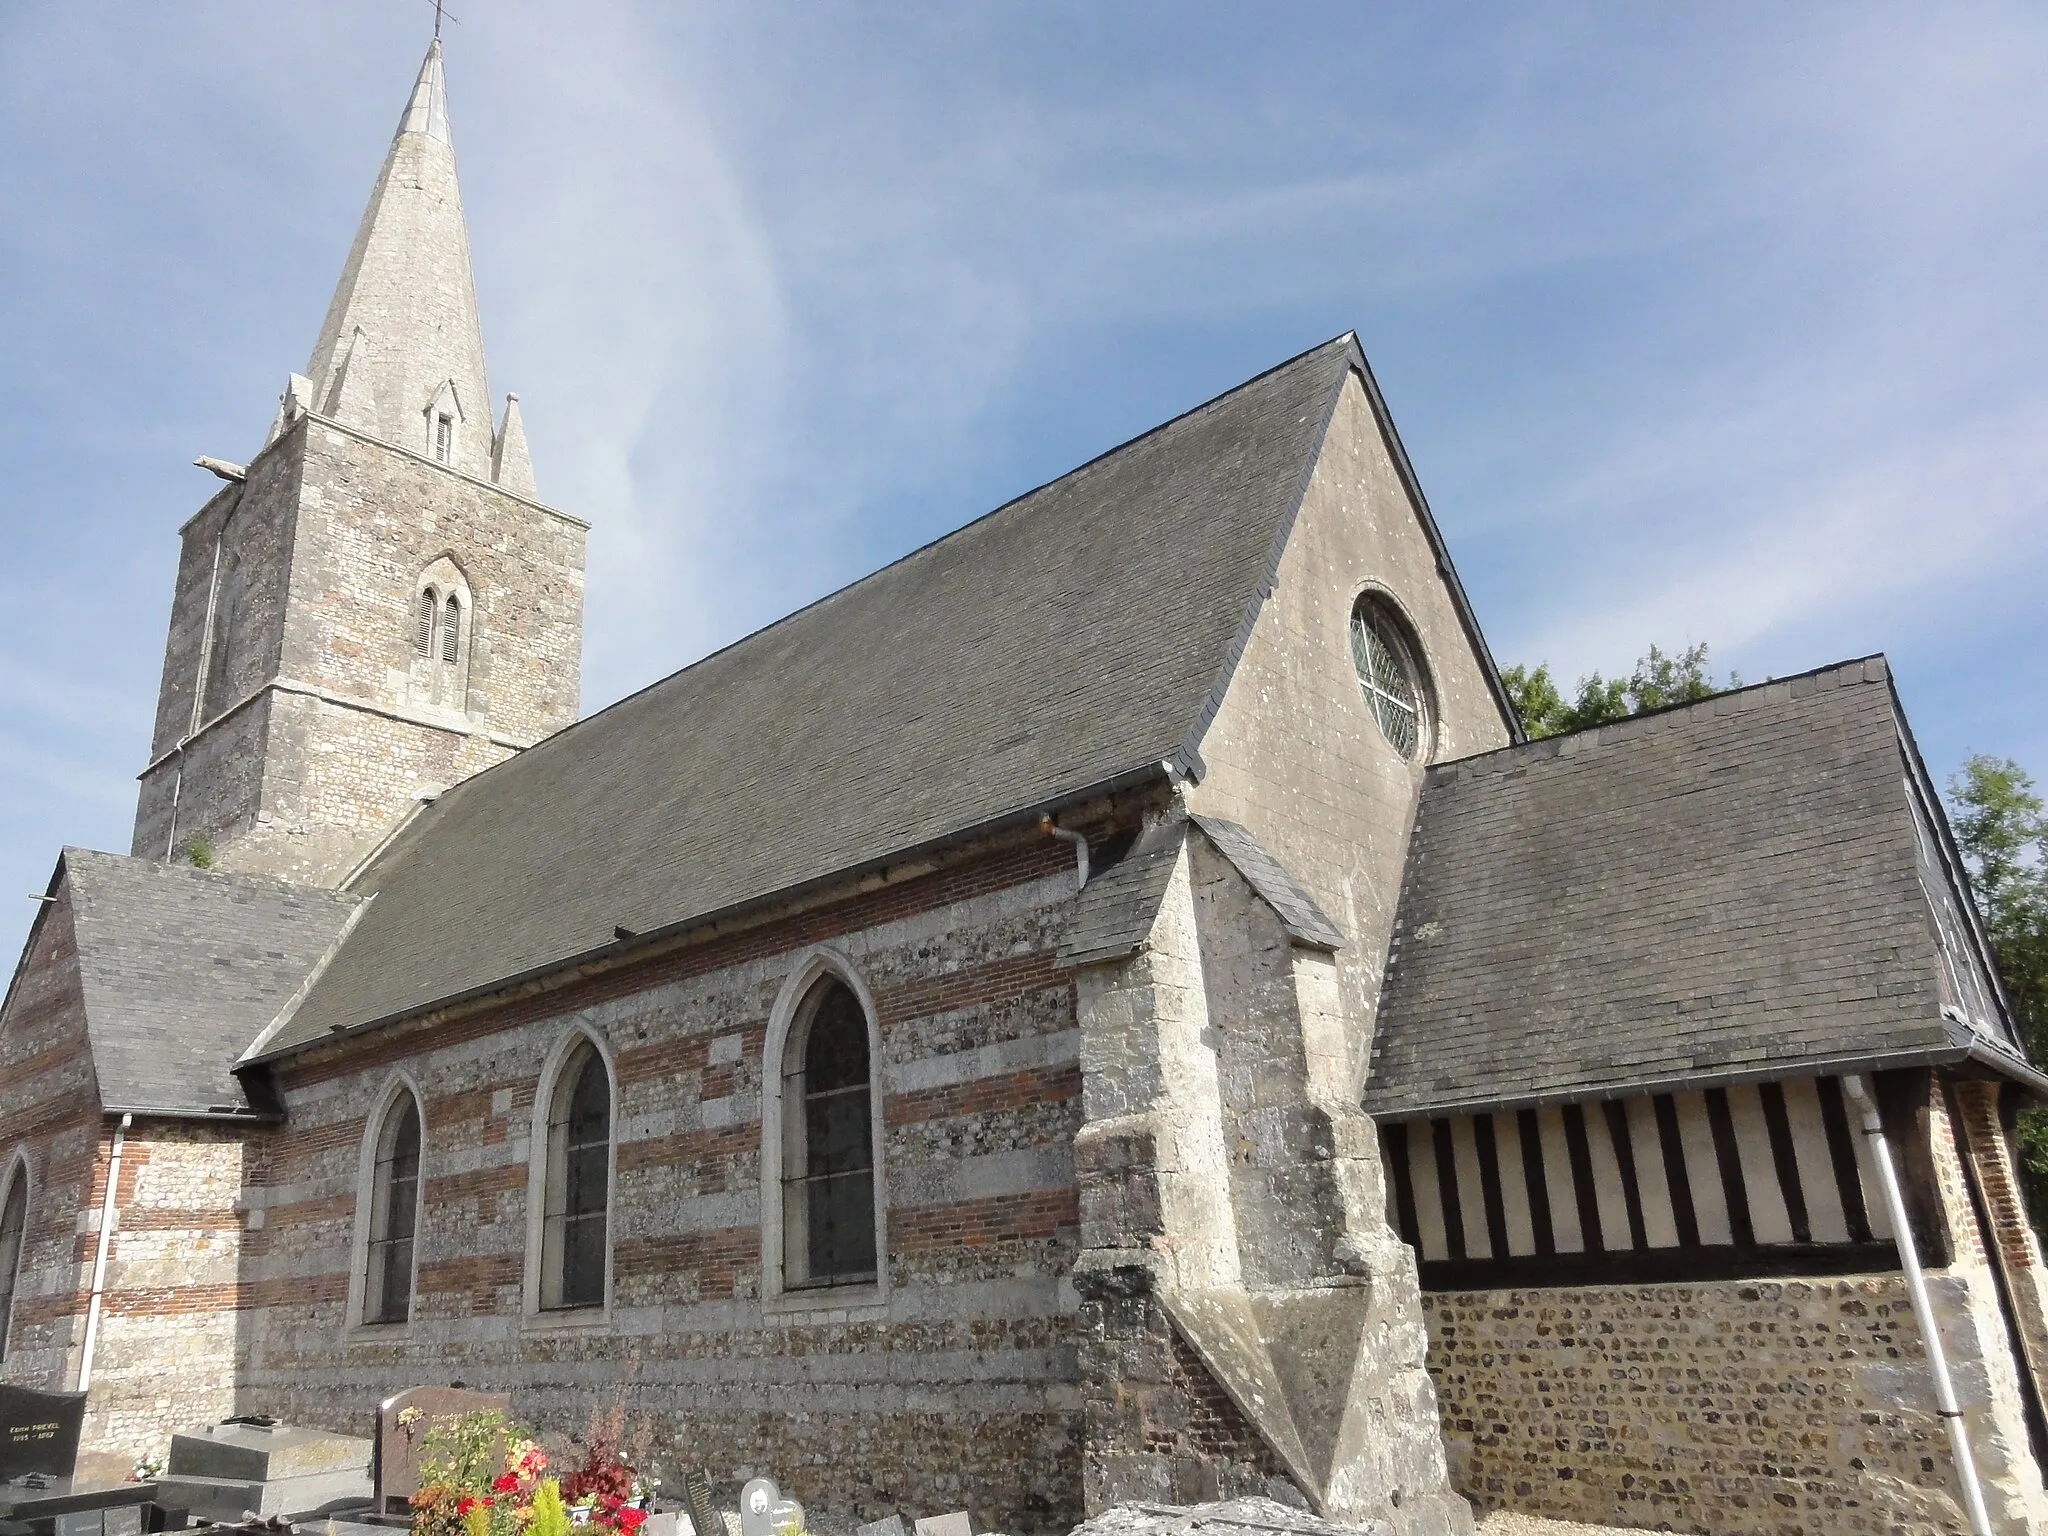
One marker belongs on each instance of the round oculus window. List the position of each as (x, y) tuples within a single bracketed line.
[(1388, 674)]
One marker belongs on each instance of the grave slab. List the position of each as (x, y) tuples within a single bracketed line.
[(256, 1467)]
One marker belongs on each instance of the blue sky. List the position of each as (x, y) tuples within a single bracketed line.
[(1711, 323)]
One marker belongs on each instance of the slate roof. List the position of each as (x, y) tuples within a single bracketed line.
[(1304, 921), (1720, 890), (181, 968), (1072, 639)]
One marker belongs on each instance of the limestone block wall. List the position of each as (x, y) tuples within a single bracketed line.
[(212, 789), (228, 603), (1796, 1407), (370, 521), (293, 626), (337, 780), (1293, 752), (956, 1386)]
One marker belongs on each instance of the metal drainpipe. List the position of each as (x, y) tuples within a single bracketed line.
[(1923, 1308), (1052, 829), (99, 1258)]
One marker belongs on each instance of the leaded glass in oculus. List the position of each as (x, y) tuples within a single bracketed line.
[(579, 1185), (828, 1196), (13, 1220), (394, 1217), (1387, 673)]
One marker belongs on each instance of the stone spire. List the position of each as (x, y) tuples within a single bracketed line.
[(401, 354)]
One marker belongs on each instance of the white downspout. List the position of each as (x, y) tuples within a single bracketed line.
[(1923, 1308), (1052, 829), (99, 1258)]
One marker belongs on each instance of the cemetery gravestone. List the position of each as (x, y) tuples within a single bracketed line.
[(955, 1524), (39, 1432), (757, 1507), (697, 1497), (402, 1425)]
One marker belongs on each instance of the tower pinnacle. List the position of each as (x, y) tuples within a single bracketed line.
[(401, 352)]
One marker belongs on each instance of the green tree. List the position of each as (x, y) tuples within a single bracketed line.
[(2000, 825), (1657, 682)]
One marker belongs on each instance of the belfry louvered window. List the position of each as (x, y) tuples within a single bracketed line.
[(394, 1216), (1389, 675), (451, 630), (13, 1223), (423, 630), (828, 1157), (578, 1192)]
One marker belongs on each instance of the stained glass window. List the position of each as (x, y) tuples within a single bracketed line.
[(1388, 674)]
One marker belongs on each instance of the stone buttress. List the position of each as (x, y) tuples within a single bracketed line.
[(1233, 1234)]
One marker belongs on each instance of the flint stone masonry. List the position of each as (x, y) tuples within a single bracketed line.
[(1795, 1407)]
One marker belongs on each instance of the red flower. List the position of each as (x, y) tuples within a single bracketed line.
[(505, 1482), (464, 1504), (629, 1518)]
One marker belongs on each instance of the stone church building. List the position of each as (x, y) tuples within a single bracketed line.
[(1105, 1007)]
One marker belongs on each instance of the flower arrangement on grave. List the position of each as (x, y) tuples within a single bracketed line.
[(481, 1476), (604, 1491), (146, 1470)]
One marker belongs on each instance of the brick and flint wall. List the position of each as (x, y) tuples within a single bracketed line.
[(960, 1390), (50, 1132), (1759, 1402)]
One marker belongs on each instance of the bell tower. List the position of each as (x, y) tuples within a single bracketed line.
[(379, 604)]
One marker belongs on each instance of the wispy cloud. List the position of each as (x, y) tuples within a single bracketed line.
[(1717, 324)]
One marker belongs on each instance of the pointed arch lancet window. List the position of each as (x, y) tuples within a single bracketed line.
[(13, 1223), (573, 1234), (394, 1217), (828, 1161), (451, 630)]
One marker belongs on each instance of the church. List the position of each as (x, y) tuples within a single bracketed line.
[(1108, 1007)]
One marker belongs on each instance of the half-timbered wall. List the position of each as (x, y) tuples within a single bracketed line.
[(1756, 1178)]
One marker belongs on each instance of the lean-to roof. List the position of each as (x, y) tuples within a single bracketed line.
[(182, 967), (1725, 890)]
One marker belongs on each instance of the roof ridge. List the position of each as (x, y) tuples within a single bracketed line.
[(1747, 692), (192, 871), (441, 801)]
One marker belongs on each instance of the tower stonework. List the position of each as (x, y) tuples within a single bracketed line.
[(380, 605)]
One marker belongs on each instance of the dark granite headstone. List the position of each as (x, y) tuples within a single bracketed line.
[(39, 1431), (697, 1499), (394, 1465)]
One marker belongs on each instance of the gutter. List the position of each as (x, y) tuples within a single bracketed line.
[(630, 944), (1975, 1052)]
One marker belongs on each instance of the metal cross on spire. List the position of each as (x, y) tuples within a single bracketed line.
[(441, 10)]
